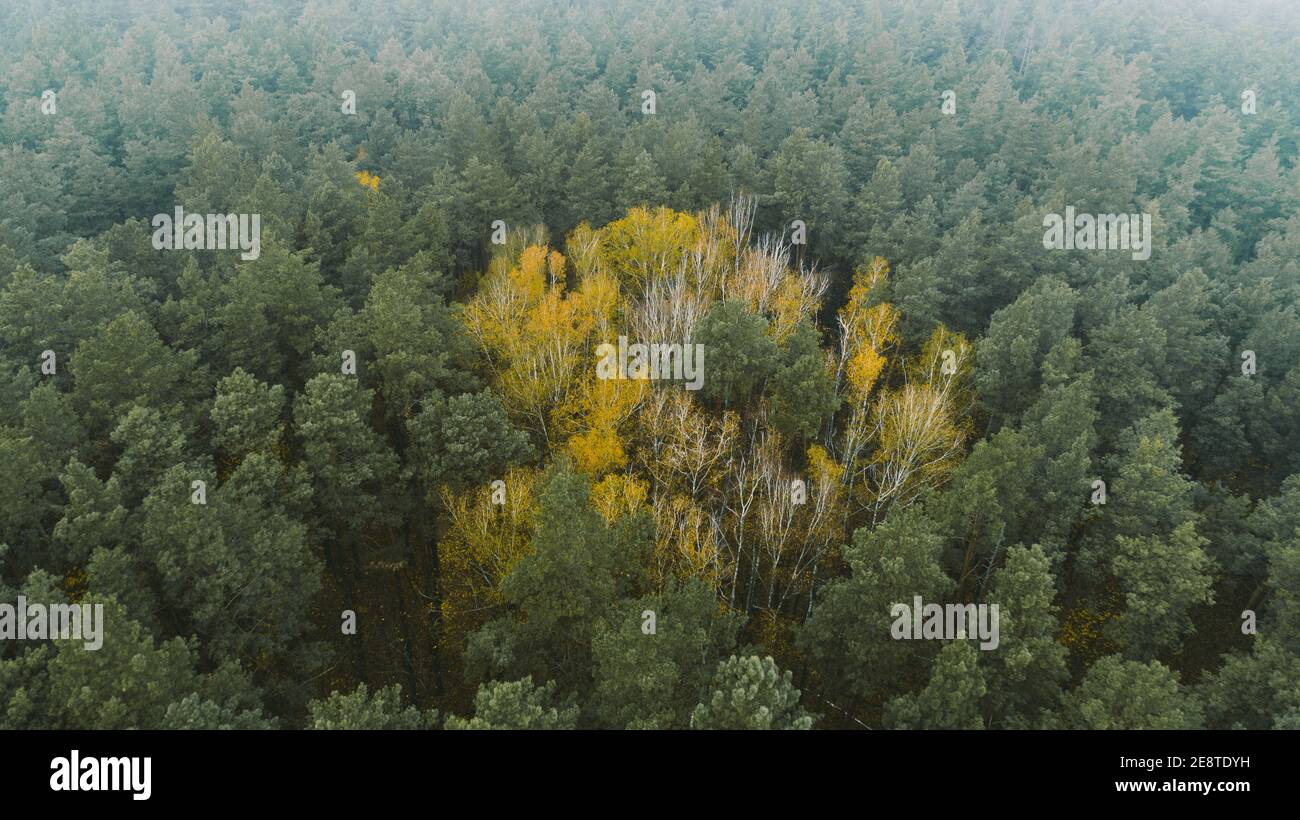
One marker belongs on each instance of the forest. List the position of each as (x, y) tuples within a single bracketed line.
[(650, 364)]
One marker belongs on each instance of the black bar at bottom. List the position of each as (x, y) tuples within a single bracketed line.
[(336, 770)]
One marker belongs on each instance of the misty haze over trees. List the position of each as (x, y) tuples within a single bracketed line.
[(904, 393)]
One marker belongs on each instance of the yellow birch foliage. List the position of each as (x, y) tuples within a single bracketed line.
[(823, 469), (867, 331), (601, 408), (535, 333), (717, 489), (583, 247), (917, 445), (947, 362), (826, 497), (367, 180), (647, 243), (686, 543), (618, 495), (482, 544), (690, 449), (794, 300)]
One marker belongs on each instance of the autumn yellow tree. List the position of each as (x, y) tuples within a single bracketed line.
[(734, 501), (488, 530)]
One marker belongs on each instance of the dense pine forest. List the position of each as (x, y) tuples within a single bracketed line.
[(638, 364)]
